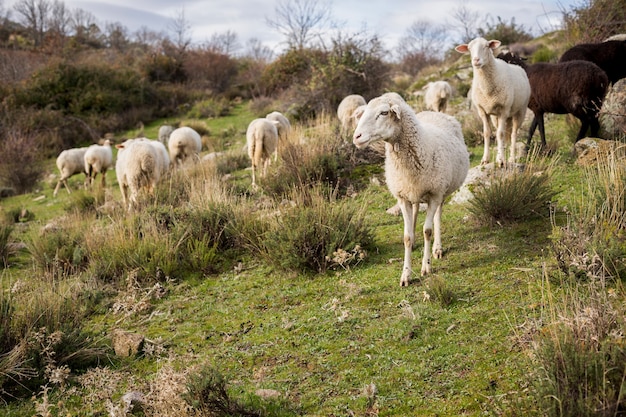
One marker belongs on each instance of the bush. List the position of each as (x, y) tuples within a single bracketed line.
[(510, 197), (22, 164), (306, 237)]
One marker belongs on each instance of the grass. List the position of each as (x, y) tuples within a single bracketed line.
[(349, 341)]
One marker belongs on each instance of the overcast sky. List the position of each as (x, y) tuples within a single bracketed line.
[(247, 18)]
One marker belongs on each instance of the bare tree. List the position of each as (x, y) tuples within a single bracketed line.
[(116, 35), (34, 15), (148, 37), (60, 19), (181, 29), (257, 51), (466, 21), (300, 21), (424, 37), (225, 43)]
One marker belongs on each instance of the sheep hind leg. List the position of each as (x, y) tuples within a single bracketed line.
[(409, 215), (437, 247)]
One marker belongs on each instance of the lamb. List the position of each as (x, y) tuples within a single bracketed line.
[(184, 143), (140, 164), (437, 95), (284, 127), (345, 112), (98, 159), (608, 55), (261, 141), (70, 162), (574, 87), (425, 161), (499, 89), (164, 133)]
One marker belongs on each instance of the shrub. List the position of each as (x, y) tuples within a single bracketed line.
[(306, 236), (22, 163), (5, 244), (510, 196), (59, 251), (580, 353)]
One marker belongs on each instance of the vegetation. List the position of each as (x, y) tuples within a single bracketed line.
[(284, 300)]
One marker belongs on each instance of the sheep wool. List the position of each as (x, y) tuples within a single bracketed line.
[(98, 159), (261, 141), (425, 161), (70, 162), (574, 87), (608, 55), (437, 95), (183, 144), (140, 164), (498, 89), (283, 126), (346, 109)]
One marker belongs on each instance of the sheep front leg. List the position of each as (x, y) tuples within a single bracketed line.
[(486, 136), (433, 220), (500, 135), (437, 248), (409, 215)]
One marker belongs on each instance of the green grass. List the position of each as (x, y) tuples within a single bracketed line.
[(320, 340)]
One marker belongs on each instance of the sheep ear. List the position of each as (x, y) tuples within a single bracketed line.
[(120, 146), (358, 112), (462, 48), (395, 109), (493, 44)]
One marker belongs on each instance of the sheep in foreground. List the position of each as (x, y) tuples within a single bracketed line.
[(608, 55), (345, 112), (70, 162), (164, 133), (437, 95), (98, 159), (498, 89), (140, 165), (574, 87), (261, 141), (184, 143), (284, 127), (425, 161)]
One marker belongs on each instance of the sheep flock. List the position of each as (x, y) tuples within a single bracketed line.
[(426, 158)]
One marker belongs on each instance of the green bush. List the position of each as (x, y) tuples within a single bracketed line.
[(306, 236), (510, 197)]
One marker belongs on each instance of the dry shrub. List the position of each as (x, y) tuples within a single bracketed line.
[(22, 164)]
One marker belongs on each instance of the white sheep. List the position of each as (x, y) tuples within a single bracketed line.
[(425, 161), (98, 159), (70, 162), (437, 95), (498, 89), (140, 165), (164, 133), (345, 112), (184, 143), (284, 128), (261, 141)]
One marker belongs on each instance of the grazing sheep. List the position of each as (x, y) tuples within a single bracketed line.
[(574, 87), (164, 133), (70, 162), (261, 140), (98, 159), (437, 95), (425, 161), (499, 89), (345, 112), (140, 164), (184, 143), (608, 55), (284, 127)]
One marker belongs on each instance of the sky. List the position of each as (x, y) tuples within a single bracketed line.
[(248, 18)]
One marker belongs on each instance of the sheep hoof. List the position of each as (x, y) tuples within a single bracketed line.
[(406, 276), (438, 253)]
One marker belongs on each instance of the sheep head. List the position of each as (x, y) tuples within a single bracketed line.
[(480, 49), (379, 121)]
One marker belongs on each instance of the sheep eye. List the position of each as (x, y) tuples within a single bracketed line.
[(384, 113)]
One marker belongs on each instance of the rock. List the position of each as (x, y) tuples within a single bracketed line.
[(589, 150), (126, 344), (612, 115)]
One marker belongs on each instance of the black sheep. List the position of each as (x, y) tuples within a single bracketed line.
[(574, 87), (608, 55)]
